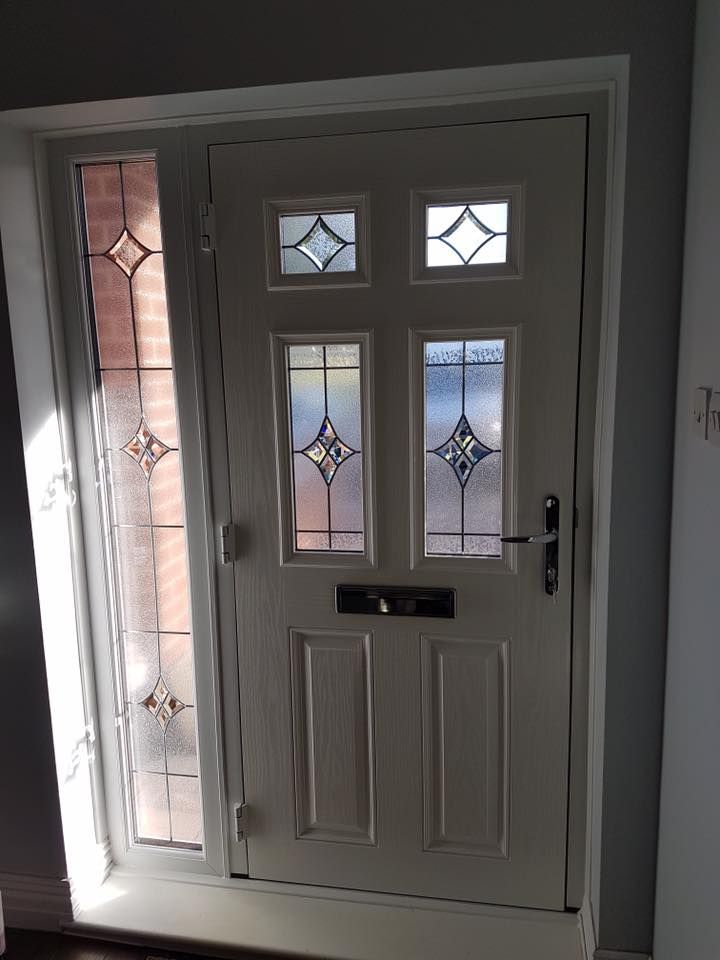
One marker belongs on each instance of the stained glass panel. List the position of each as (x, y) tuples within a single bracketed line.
[(324, 389), (464, 381), (143, 491), (466, 233), (322, 242)]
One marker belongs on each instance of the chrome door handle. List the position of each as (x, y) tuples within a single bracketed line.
[(549, 539)]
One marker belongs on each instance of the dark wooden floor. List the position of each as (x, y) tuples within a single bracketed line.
[(31, 945)]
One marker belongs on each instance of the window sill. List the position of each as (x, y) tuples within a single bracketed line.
[(225, 917)]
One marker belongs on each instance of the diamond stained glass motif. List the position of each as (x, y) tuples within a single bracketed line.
[(145, 448), (317, 242), (128, 253), (162, 704), (327, 451), (463, 450), (467, 233)]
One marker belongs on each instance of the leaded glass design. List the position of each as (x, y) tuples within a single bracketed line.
[(463, 234), (318, 242), (324, 389), (464, 382), (142, 488)]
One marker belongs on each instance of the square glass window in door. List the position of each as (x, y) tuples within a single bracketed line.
[(463, 401), (466, 233), (316, 242), (142, 496), (324, 383)]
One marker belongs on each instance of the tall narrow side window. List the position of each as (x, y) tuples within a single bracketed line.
[(142, 492)]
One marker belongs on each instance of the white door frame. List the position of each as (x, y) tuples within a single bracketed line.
[(24, 136)]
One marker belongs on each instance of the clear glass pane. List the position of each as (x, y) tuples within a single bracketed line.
[(322, 242), (326, 444), (143, 488), (464, 382), (466, 233)]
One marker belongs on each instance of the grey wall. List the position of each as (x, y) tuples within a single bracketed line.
[(81, 51), (30, 840), (688, 919)]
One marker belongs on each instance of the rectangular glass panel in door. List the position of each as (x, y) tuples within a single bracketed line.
[(142, 491), (324, 392), (463, 401)]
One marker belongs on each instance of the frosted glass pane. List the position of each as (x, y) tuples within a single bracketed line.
[(121, 407), (312, 541), (326, 441), (342, 355), (463, 440), (172, 580), (310, 356), (348, 542), (180, 743), (177, 665), (346, 500), (483, 546), (343, 397), (158, 399), (484, 401), (166, 491), (142, 485), (443, 498), (441, 545), (147, 741), (152, 815), (483, 500), (113, 314), (443, 402), (185, 811), (307, 405), (134, 558), (317, 243), (141, 206), (139, 652), (151, 316), (128, 490), (461, 234), (103, 205), (311, 495)]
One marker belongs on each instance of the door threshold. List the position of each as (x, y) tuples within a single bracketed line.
[(227, 917)]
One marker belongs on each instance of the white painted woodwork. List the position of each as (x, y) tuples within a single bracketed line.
[(332, 735), (515, 641), (465, 745)]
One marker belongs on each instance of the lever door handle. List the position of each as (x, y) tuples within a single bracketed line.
[(549, 537)]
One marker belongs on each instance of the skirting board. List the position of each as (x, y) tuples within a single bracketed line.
[(620, 955), (35, 903)]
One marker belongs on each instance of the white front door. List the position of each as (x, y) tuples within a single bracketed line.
[(400, 319)]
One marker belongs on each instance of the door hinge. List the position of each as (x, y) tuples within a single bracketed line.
[(240, 821), (207, 227), (227, 543)]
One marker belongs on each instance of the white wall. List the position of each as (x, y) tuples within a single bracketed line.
[(687, 925)]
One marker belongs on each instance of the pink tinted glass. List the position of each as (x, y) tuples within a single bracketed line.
[(138, 432)]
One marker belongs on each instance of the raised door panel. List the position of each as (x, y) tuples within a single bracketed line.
[(333, 736), (465, 726)]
